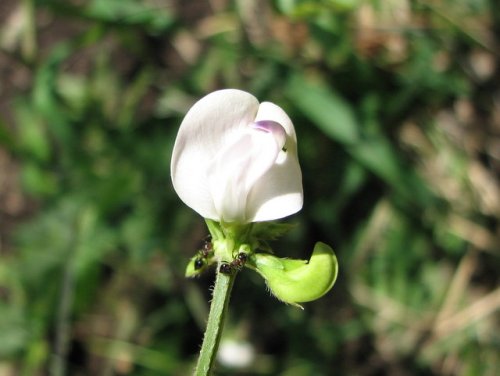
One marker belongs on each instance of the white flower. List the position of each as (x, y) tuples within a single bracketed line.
[(235, 160)]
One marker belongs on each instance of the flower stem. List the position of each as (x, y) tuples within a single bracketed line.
[(218, 309)]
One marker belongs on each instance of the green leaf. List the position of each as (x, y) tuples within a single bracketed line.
[(379, 157), (32, 134), (327, 110)]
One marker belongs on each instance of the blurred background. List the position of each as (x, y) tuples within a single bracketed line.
[(397, 109)]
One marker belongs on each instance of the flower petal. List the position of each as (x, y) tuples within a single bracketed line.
[(278, 193), (206, 129), (270, 111), (234, 160), (240, 165)]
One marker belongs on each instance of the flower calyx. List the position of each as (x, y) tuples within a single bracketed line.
[(292, 281)]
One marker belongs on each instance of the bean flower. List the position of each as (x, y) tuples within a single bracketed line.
[(235, 162), (235, 159)]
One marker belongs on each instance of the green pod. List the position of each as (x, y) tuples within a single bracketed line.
[(298, 281)]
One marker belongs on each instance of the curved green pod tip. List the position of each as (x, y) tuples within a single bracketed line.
[(297, 281)]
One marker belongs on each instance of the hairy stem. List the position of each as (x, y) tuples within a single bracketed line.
[(218, 309)]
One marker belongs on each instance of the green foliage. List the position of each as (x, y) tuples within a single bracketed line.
[(325, 108), (395, 111)]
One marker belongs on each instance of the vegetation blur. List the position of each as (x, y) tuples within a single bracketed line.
[(397, 109)]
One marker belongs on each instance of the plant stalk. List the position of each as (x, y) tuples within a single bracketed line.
[(213, 333)]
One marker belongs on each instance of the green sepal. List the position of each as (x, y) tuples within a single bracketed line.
[(297, 281), (265, 231), (215, 229)]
